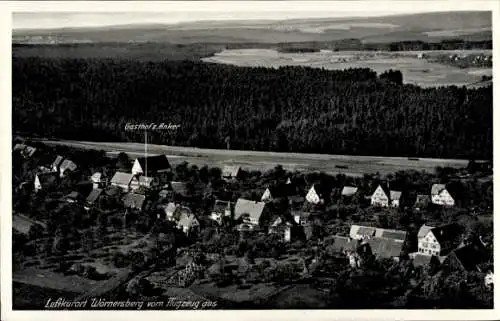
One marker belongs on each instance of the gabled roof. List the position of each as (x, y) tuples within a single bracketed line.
[(385, 188), (448, 232), (67, 165), (96, 177), (230, 170), (94, 195), (57, 161), (395, 195), (154, 163), (385, 248), (424, 229), (122, 178), (47, 178), (133, 200), (349, 190), (252, 208), (394, 234), (437, 188)]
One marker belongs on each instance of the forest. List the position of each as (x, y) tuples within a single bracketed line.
[(290, 109)]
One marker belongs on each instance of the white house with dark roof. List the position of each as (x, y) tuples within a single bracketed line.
[(441, 196), (122, 180), (384, 197), (439, 240)]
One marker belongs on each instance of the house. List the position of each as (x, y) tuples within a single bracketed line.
[(134, 201), (381, 196), (122, 180), (150, 165), (278, 191), (56, 163), (149, 182), (441, 196), (231, 172), (395, 197), (169, 210), (65, 166), (318, 194), (188, 222), (222, 209), (422, 202), (45, 180), (384, 197), (301, 217), (98, 180), (25, 150), (283, 228), (249, 211), (73, 197), (348, 191), (439, 240), (93, 197)]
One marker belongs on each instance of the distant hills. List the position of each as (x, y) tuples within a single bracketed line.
[(429, 27)]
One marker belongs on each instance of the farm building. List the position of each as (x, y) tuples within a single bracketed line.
[(441, 196), (67, 165), (318, 193), (134, 201), (222, 209), (249, 211), (93, 198), (45, 180), (438, 240), (231, 172), (122, 180), (150, 165)]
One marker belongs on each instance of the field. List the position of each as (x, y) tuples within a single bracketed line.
[(415, 71), (253, 160)]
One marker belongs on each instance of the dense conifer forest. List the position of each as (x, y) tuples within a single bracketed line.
[(294, 109)]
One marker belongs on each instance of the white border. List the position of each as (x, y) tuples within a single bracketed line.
[(384, 7)]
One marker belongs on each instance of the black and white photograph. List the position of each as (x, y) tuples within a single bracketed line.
[(259, 155)]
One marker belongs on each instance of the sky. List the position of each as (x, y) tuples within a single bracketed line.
[(52, 17)]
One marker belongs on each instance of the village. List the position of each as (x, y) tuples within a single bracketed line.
[(92, 225)]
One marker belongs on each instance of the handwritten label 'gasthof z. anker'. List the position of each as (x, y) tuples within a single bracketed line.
[(151, 126)]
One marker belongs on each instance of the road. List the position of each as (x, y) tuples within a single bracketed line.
[(254, 160)]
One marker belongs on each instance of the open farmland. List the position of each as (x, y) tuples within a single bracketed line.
[(253, 160), (415, 71)]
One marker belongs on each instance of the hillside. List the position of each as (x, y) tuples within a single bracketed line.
[(430, 27)]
